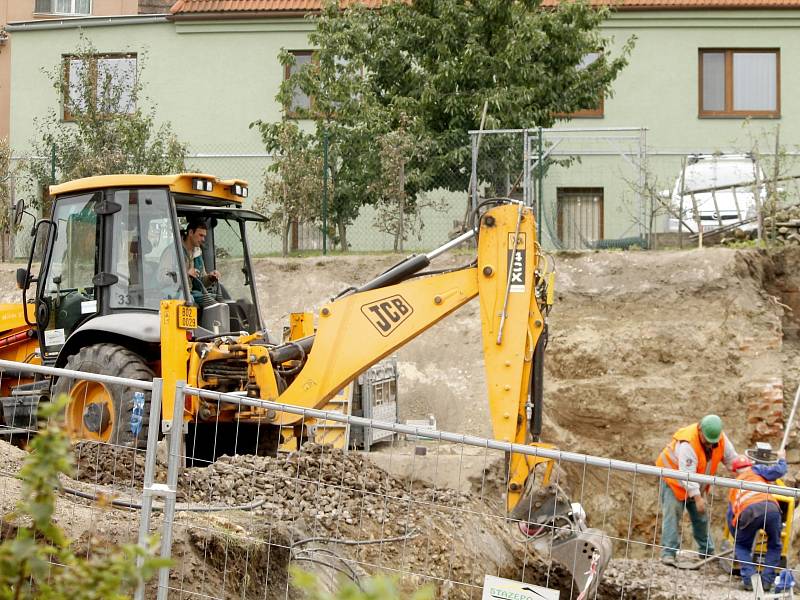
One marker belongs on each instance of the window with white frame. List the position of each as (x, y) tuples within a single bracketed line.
[(300, 100), (740, 82), (63, 7), (108, 81)]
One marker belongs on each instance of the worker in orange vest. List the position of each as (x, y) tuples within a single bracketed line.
[(696, 448), (749, 512)]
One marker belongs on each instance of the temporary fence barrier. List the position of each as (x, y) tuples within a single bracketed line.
[(429, 511)]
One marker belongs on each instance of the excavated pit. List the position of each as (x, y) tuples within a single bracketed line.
[(641, 343)]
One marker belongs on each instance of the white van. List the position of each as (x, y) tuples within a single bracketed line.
[(723, 186)]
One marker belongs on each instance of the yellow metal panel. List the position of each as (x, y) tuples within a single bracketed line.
[(301, 324), (180, 183), (506, 260), (12, 316), (335, 433), (175, 350), (380, 320)]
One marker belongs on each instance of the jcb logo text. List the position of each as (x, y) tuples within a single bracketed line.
[(385, 315)]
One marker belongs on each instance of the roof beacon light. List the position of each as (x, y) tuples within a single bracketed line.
[(202, 185), (239, 190)]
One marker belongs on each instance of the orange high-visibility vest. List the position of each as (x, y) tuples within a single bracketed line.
[(668, 458), (741, 499)]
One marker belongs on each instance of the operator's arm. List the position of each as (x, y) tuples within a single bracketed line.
[(687, 461), (730, 452), (771, 472)]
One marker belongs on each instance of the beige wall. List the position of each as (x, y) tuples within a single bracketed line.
[(22, 10)]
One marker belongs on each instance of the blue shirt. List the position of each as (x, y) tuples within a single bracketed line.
[(771, 472)]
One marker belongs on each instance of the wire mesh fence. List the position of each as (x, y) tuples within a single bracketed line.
[(237, 512), (593, 188)]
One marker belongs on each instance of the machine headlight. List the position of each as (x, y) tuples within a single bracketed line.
[(202, 185)]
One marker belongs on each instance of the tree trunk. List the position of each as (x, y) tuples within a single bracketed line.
[(287, 227), (342, 226), (399, 234)]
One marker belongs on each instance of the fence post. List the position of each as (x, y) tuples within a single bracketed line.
[(540, 195), (325, 193), (53, 163), (149, 473), (173, 467)]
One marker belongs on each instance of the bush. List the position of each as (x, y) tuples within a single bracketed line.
[(36, 560), (374, 588)]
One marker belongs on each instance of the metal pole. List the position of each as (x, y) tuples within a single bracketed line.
[(173, 466), (451, 244), (471, 440), (790, 421), (527, 197), (149, 473), (473, 182), (540, 195), (325, 193), (29, 368), (642, 171)]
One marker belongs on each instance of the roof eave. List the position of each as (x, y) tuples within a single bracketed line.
[(228, 15)]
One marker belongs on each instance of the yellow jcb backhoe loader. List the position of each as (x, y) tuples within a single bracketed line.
[(114, 295)]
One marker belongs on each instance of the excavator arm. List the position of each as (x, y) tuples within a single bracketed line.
[(361, 328), (364, 325)]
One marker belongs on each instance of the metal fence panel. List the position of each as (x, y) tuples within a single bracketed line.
[(427, 506)]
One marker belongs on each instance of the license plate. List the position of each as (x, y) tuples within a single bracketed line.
[(187, 317)]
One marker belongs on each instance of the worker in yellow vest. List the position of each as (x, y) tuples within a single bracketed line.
[(749, 512), (696, 448)]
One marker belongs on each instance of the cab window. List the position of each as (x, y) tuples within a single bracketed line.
[(144, 255)]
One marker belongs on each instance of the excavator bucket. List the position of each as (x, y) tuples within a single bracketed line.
[(557, 527)]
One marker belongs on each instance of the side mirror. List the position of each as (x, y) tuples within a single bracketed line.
[(19, 210), (23, 278)]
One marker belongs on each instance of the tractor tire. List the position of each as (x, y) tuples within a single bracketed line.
[(104, 412)]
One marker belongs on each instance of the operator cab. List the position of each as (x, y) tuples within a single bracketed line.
[(113, 250)]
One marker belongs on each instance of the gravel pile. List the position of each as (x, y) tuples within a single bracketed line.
[(330, 486), (113, 466)]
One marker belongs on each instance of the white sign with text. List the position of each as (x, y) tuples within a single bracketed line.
[(497, 588)]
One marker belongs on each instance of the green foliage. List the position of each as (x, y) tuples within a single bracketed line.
[(109, 130), (374, 588), (396, 213), (293, 181), (6, 172), (36, 560), (428, 68)]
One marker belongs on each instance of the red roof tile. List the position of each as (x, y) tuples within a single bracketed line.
[(247, 6), (687, 4), (304, 6)]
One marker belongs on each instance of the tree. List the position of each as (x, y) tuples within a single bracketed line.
[(105, 129), (293, 182), (438, 62), (396, 213), (347, 120), (36, 561)]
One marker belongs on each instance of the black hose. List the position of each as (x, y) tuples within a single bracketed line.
[(537, 385), (178, 507)]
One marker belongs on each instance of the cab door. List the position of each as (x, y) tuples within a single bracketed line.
[(67, 292)]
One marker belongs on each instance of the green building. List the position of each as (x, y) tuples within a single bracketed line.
[(705, 76)]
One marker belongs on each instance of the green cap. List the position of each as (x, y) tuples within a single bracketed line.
[(711, 426)]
